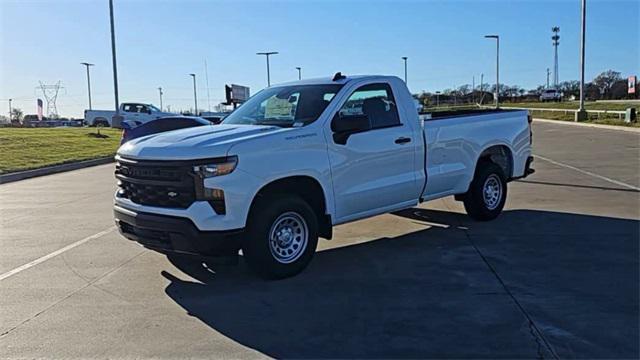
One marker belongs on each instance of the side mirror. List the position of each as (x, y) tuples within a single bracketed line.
[(344, 126)]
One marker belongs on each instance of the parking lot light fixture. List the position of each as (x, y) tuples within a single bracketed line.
[(497, 37), (405, 68), (267, 54), (116, 119), (299, 72), (88, 82), (581, 114), (195, 95)]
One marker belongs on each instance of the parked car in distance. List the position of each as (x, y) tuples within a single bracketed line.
[(214, 117), (140, 113), (298, 158), (132, 131), (551, 95)]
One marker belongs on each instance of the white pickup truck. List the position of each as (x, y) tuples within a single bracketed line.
[(135, 112), (298, 158)]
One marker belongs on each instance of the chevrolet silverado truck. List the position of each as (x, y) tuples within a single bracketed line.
[(299, 158), (132, 112)]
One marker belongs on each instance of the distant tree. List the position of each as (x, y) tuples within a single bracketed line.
[(619, 90), (464, 89), (569, 88), (605, 80), (16, 114)]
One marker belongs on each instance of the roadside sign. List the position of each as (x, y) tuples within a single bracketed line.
[(632, 84), (236, 94)]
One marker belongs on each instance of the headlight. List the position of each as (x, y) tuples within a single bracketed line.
[(224, 167)]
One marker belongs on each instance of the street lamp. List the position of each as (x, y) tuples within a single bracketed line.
[(160, 91), (437, 98), (497, 67), (88, 81), (195, 96), (117, 119), (267, 54), (405, 69), (581, 115), (299, 72)]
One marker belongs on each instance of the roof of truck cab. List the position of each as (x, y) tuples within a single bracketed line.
[(329, 80)]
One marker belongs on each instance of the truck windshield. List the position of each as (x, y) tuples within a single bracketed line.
[(285, 105)]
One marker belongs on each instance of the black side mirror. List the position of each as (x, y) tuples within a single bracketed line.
[(344, 126)]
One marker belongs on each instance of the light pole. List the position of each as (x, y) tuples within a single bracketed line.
[(405, 68), (195, 96), (299, 72), (437, 98), (88, 81), (267, 54), (10, 110), (160, 91), (548, 73), (497, 67), (581, 114), (117, 120)]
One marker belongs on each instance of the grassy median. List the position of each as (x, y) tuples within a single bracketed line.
[(31, 148)]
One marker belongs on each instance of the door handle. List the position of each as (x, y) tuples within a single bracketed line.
[(402, 140)]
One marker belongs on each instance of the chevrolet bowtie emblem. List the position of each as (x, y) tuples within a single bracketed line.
[(172, 194)]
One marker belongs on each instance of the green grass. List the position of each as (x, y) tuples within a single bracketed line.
[(31, 148)]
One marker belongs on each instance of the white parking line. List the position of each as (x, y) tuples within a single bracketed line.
[(55, 253), (620, 183)]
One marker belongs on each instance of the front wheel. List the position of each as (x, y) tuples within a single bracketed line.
[(282, 236), (487, 193)]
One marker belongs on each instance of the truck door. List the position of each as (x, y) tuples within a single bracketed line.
[(373, 171)]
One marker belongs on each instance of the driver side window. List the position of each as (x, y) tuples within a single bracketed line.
[(375, 101)]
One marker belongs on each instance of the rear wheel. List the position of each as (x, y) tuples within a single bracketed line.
[(282, 236), (487, 193)]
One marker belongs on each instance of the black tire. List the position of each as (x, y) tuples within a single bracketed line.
[(272, 259), (479, 206)]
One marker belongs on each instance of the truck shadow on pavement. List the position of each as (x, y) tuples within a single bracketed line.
[(529, 284)]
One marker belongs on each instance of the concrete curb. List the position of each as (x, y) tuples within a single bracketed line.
[(27, 174), (599, 126)]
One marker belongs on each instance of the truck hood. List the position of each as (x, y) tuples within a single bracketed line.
[(198, 142)]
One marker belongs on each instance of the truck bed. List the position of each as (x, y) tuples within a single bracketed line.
[(433, 115)]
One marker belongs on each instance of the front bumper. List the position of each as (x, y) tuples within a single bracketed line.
[(175, 234)]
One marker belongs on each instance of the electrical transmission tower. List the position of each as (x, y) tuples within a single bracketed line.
[(555, 43), (50, 93)]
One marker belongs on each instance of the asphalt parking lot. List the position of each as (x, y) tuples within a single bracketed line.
[(556, 276)]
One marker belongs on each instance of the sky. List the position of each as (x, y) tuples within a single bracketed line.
[(159, 43)]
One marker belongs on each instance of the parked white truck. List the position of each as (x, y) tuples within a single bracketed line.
[(298, 158), (136, 112)]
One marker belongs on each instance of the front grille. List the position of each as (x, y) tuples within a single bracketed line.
[(155, 183)]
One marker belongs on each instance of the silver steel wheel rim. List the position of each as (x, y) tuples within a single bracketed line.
[(288, 237), (492, 192)]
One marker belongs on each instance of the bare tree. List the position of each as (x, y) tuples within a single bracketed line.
[(606, 79)]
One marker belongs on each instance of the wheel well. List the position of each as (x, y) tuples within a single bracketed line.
[(310, 190), (499, 155)]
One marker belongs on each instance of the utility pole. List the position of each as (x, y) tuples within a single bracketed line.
[(405, 69), (548, 73), (88, 81), (10, 109), (497, 37), (160, 91), (473, 89), (117, 119), (267, 54), (195, 96), (581, 114), (299, 72), (555, 43), (206, 75)]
